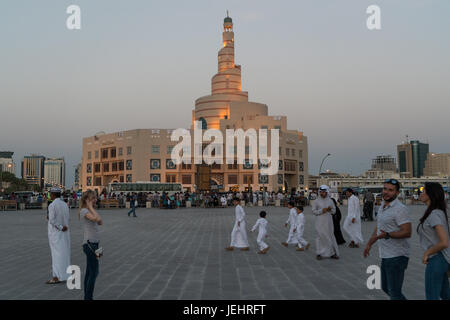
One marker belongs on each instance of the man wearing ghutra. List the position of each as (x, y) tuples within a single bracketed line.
[(58, 236), (323, 208), (352, 224)]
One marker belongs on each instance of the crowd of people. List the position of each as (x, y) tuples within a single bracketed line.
[(392, 234), (202, 199)]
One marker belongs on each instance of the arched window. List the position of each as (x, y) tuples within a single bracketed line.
[(203, 124)]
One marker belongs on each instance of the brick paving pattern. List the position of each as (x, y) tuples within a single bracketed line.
[(179, 254)]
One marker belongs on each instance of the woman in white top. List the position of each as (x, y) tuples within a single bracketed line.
[(90, 220), (434, 239)]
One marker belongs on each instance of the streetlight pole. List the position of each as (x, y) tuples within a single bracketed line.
[(320, 170)]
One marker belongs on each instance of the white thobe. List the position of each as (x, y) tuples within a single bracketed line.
[(239, 234), (291, 221), (353, 229), (326, 244), (58, 216), (261, 224), (299, 227)]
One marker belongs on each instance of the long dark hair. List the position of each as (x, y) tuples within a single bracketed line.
[(437, 201)]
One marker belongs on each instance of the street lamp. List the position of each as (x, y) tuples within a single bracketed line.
[(320, 170)]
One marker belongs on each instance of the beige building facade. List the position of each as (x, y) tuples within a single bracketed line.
[(33, 169), (6, 162), (405, 160), (437, 164), (55, 172), (342, 181), (145, 154)]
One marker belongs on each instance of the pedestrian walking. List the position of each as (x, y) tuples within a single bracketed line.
[(323, 208), (392, 235), (261, 225), (337, 224), (133, 200), (291, 222), (434, 239), (239, 233), (352, 223), (299, 228)]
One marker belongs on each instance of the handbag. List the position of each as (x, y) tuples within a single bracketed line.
[(98, 253)]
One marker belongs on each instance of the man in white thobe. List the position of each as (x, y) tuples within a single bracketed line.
[(323, 207), (239, 233), (58, 236), (352, 224), (291, 221)]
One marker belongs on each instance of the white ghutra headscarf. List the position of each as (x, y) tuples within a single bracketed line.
[(324, 187)]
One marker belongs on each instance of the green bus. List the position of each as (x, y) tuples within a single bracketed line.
[(128, 187)]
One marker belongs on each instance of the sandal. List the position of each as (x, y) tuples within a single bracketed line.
[(53, 281), (334, 257)]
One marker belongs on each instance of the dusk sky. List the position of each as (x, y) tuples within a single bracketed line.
[(355, 93)]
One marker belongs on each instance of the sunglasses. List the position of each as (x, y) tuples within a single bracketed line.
[(392, 181)]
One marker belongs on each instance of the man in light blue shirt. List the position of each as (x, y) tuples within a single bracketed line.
[(392, 233)]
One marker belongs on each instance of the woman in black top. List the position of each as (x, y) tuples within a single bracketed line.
[(337, 224)]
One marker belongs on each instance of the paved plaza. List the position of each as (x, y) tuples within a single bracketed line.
[(179, 254)]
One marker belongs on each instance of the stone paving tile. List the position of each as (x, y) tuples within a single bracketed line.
[(179, 254)]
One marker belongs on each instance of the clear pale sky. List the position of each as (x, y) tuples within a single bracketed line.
[(141, 64)]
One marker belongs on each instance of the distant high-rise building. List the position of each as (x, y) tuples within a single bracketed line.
[(419, 155), (384, 163), (404, 156), (411, 158), (6, 162), (437, 164), (55, 172), (33, 169), (76, 182)]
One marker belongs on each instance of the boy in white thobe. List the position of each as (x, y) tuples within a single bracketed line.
[(299, 228), (352, 223), (58, 237), (261, 224), (223, 200), (291, 221), (239, 234)]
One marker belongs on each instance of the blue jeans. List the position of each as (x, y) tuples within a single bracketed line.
[(392, 275), (91, 270), (133, 209), (436, 280)]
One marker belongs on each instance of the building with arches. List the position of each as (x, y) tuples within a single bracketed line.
[(145, 154)]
